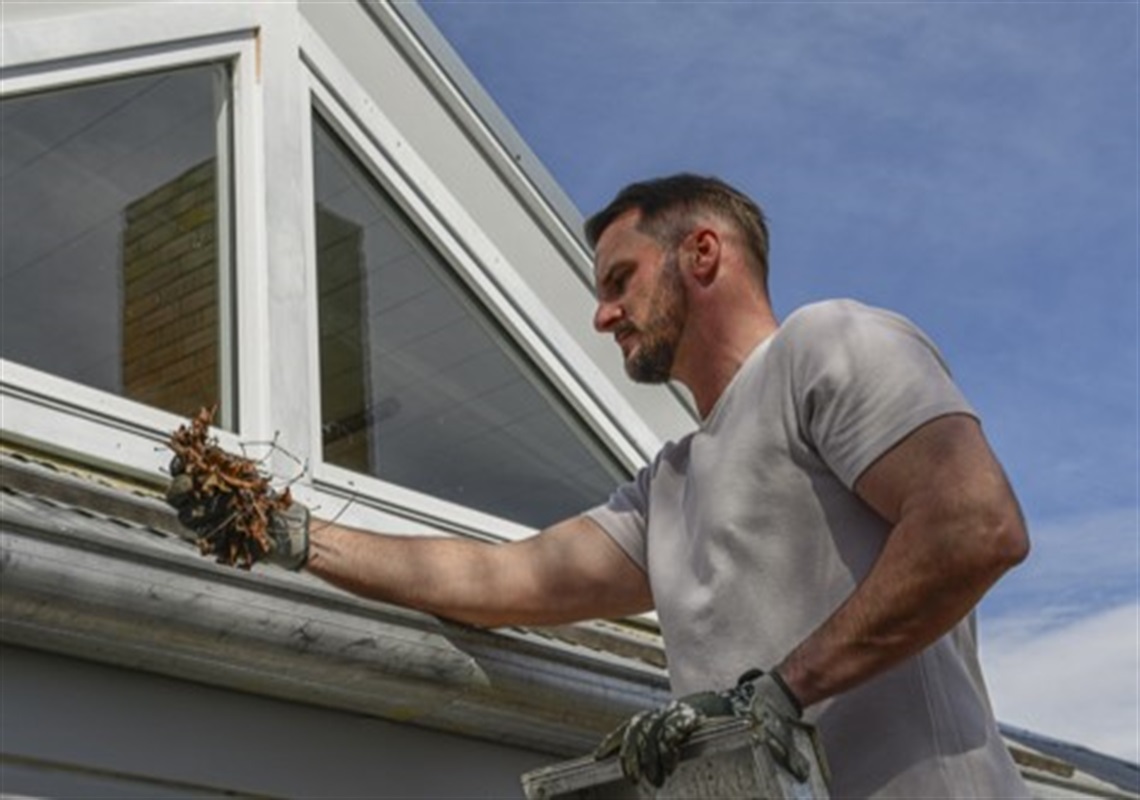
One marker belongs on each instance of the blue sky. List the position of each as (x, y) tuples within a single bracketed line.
[(972, 165)]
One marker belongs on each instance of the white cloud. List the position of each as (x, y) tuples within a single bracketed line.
[(1060, 643), (1077, 682)]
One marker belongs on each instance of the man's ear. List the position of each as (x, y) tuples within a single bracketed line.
[(705, 250)]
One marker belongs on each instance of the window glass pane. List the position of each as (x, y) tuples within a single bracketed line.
[(418, 385), (115, 235)]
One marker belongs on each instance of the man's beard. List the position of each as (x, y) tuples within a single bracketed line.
[(652, 361)]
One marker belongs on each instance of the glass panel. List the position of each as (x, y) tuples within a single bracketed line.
[(114, 229), (418, 385)]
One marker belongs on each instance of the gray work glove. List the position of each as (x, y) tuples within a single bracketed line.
[(289, 531), (649, 744), (775, 711), (214, 519)]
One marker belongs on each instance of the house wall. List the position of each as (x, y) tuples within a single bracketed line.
[(75, 728)]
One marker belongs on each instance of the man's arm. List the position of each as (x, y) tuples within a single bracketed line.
[(956, 529), (568, 572)]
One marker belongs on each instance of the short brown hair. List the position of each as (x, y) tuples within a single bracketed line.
[(668, 208)]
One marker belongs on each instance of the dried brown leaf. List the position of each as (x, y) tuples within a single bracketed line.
[(235, 497)]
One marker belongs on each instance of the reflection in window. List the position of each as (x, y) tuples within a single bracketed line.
[(115, 236), (418, 386)]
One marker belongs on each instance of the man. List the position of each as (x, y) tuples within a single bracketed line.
[(832, 522)]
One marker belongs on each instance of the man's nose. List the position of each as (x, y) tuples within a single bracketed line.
[(606, 316)]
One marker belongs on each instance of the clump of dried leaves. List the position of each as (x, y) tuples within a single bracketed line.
[(230, 500)]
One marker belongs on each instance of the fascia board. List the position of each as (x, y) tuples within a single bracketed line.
[(437, 61), (87, 583)]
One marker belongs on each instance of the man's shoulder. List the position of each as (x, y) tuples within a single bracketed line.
[(846, 337), (831, 314), (832, 332), (828, 321)]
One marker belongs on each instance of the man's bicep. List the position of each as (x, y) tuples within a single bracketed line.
[(943, 466)]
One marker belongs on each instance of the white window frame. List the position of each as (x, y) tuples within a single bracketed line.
[(440, 218), (54, 414), (271, 124)]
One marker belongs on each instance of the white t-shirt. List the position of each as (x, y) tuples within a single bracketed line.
[(751, 536)]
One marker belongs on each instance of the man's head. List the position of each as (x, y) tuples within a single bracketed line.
[(672, 206), (658, 248), (641, 298)]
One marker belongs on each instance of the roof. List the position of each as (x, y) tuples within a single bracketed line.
[(96, 569), (1069, 759)]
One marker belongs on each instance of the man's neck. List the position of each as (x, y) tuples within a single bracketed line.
[(713, 359)]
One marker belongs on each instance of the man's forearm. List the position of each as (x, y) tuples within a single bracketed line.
[(957, 528), (432, 574), (568, 572), (901, 608)]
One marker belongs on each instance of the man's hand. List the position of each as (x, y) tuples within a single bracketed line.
[(289, 532), (775, 711), (649, 744)]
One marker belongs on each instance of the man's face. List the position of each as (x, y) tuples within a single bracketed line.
[(640, 299)]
